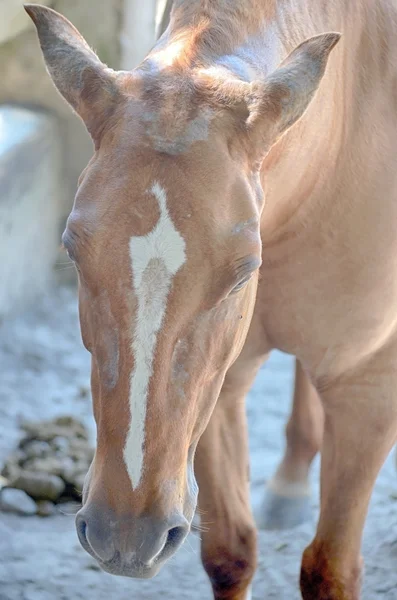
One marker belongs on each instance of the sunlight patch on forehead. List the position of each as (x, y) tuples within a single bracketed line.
[(155, 259)]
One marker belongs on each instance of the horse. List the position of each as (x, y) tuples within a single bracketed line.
[(241, 198)]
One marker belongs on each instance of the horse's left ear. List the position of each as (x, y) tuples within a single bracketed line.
[(266, 109), (277, 103), (82, 79)]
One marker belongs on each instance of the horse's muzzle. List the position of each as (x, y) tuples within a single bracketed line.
[(131, 547)]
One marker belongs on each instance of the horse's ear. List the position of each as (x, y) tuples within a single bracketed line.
[(266, 109), (277, 103), (82, 79)]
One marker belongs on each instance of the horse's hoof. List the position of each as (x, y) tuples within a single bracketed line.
[(283, 510)]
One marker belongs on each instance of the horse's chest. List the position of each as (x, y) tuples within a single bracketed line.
[(328, 309)]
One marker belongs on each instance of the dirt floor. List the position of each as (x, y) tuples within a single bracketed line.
[(45, 372)]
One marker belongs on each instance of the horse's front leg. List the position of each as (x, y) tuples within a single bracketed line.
[(360, 430), (222, 470)]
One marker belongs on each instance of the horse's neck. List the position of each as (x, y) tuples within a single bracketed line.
[(222, 26), (215, 28), (234, 15), (307, 176)]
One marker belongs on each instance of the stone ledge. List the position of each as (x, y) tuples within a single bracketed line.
[(13, 18)]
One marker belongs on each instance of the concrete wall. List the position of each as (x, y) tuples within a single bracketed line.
[(29, 177)]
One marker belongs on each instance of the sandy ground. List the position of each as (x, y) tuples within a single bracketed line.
[(44, 372)]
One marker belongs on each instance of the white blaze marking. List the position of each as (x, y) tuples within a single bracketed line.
[(249, 593), (155, 259)]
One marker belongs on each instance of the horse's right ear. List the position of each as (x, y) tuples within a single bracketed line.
[(82, 79)]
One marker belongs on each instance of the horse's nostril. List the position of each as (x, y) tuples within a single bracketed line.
[(81, 527), (175, 537), (95, 537)]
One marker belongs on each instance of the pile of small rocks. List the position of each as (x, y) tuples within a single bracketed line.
[(47, 468)]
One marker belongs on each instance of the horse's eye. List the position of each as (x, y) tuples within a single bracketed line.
[(69, 252), (241, 284)]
